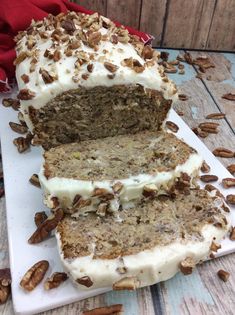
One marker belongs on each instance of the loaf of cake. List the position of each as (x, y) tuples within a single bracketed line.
[(149, 244), (80, 77), (104, 174)]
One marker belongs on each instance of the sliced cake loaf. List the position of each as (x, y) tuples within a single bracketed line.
[(102, 175), (80, 77), (149, 244)]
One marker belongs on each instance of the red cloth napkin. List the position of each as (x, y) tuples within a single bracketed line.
[(16, 15)]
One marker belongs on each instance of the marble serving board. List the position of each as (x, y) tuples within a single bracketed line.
[(23, 200)]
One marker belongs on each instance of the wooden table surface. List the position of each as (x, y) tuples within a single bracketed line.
[(202, 292)]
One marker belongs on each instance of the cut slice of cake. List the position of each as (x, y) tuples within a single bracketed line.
[(147, 244), (80, 77), (102, 175)]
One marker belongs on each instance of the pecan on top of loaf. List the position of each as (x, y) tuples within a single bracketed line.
[(59, 52)]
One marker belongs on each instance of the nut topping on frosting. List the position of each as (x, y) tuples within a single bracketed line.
[(25, 94), (47, 77), (110, 67)]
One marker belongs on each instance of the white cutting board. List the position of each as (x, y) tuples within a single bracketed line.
[(23, 200)]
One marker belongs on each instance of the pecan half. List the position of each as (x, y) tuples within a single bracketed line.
[(86, 281), (116, 309), (230, 199), (172, 126), (229, 96), (228, 182), (18, 127), (199, 132), (208, 178), (34, 180), (232, 234), (223, 275), (186, 266), (34, 275), (110, 66), (183, 97), (231, 169), (209, 127), (5, 284), (214, 247), (215, 116), (44, 230), (25, 95), (223, 152), (40, 217), (205, 168), (55, 280), (127, 283), (188, 58), (164, 55)]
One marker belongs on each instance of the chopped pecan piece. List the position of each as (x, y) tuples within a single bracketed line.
[(117, 187), (127, 283), (223, 152), (69, 26), (39, 218), (223, 275), (25, 95), (205, 168), (147, 52), (215, 116), (102, 193), (21, 119), (85, 76), (172, 126), (149, 190), (25, 78), (116, 309), (18, 127), (102, 209), (22, 144), (94, 39), (56, 279), (208, 178), (21, 57), (230, 199), (34, 180), (114, 39), (228, 182), (5, 284), (186, 266), (86, 281), (56, 55), (47, 77), (90, 67), (34, 275), (231, 169), (137, 66), (44, 230), (232, 234), (229, 96), (110, 66), (214, 247)]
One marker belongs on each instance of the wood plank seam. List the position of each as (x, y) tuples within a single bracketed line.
[(165, 21), (212, 97), (211, 23)]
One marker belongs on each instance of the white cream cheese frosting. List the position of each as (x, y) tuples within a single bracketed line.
[(65, 189), (67, 75), (149, 266)]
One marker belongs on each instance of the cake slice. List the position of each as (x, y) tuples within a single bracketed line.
[(148, 244), (102, 175), (80, 77)]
